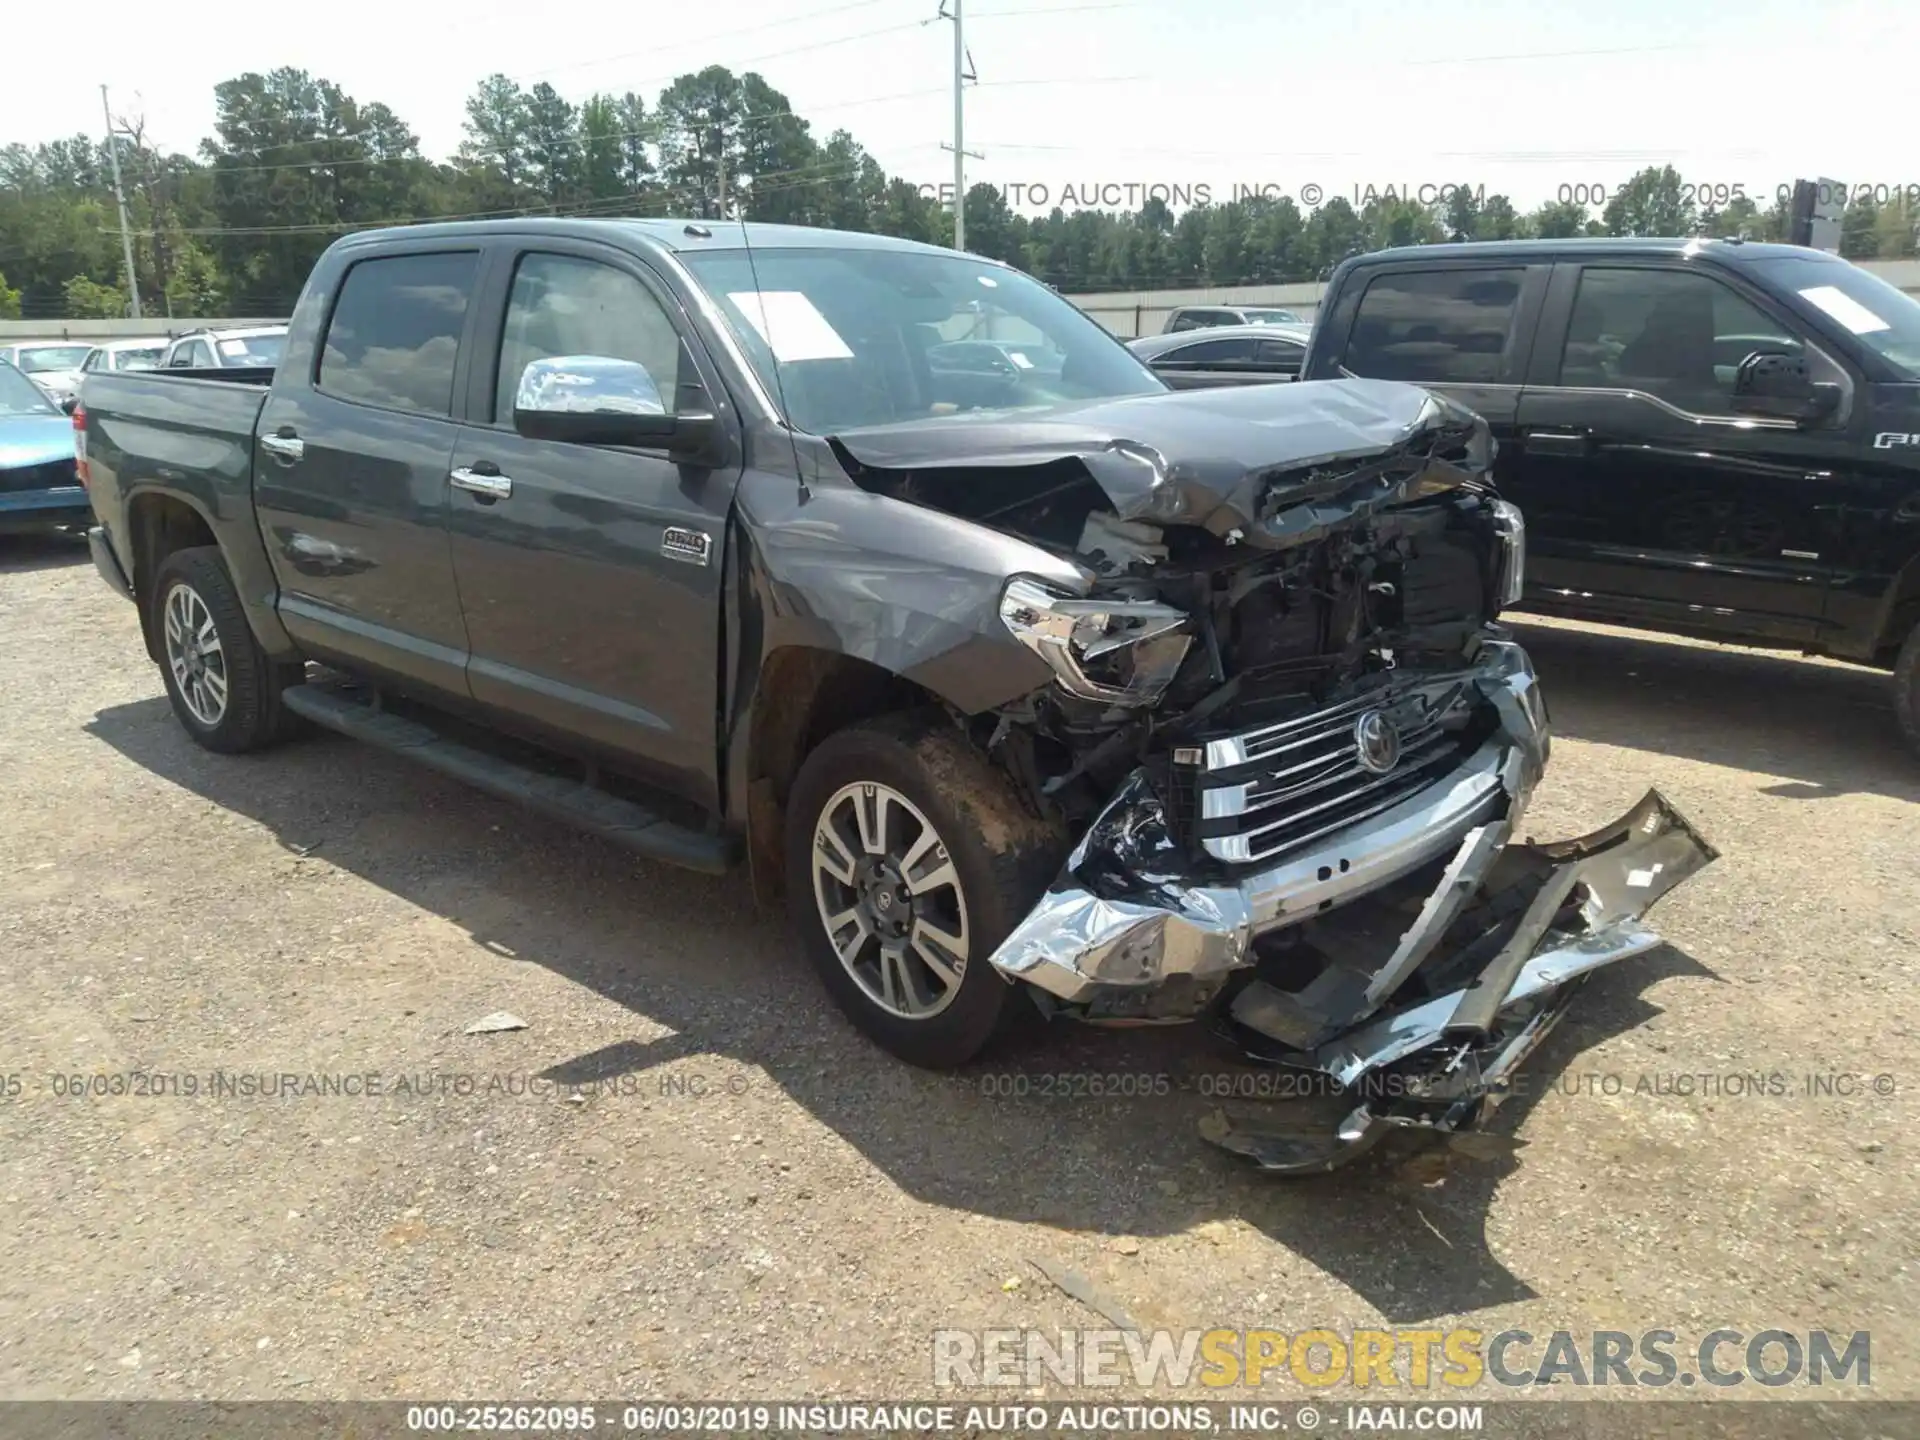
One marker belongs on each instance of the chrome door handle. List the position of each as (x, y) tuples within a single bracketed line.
[(1559, 442), (494, 487), (283, 447)]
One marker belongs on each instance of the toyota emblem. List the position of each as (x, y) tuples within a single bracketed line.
[(1376, 742)]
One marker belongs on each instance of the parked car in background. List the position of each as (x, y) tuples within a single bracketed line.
[(1225, 355), (1070, 690), (125, 355), (53, 365), (39, 487), (1707, 437), (1205, 317), (249, 349)]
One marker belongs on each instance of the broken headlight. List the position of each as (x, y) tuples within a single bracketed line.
[(1510, 527), (1119, 652)]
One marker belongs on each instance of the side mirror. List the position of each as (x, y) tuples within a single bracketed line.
[(68, 405), (1780, 386), (598, 400)]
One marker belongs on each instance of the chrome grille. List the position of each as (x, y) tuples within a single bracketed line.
[(1271, 790)]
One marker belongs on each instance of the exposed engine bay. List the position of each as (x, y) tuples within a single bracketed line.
[(1291, 738)]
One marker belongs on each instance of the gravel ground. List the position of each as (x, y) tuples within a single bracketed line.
[(748, 1200)]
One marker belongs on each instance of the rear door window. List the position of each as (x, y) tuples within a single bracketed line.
[(395, 332), (1436, 326)]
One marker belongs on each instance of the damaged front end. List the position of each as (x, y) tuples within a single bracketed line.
[(1293, 740)]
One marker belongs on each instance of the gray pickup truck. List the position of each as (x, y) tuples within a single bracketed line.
[(1151, 705)]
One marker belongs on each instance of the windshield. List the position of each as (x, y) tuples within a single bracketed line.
[(145, 358), (1272, 317), (20, 396), (52, 357), (252, 349), (1882, 318), (857, 337)]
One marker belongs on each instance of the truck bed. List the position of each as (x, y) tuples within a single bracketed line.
[(179, 420)]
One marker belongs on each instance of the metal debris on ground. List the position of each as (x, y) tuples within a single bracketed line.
[(499, 1020), (1073, 1284)]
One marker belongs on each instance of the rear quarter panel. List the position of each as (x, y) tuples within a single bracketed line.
[(192, 440)]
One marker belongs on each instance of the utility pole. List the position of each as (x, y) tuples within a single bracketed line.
[(723, 178), (120, 198), (962, 73)]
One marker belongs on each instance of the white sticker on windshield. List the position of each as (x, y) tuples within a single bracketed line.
[(988, 281), (233, 349), (1844, 308), (1018, 359), (791, 326)]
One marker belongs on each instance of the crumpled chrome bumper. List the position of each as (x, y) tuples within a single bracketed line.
[(1123, 914), (1124, 934)]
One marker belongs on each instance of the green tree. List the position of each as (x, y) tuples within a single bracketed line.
[(1893, 231), (1559, 220), (1654, 201), (1462, 217), (1333, 233), (494, 153), (89, 300), (9, 300), (552, 146), (701, 157), (600, 149), (1739, 219), (638, 131), (1859, 229), (782, 174), (1500, 221)]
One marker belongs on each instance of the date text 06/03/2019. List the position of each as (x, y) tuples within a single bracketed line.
[(838, 1417)]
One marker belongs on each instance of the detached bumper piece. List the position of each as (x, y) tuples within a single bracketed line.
[(1492, 959), (1392, 939)]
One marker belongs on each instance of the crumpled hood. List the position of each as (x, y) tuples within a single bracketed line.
[(1281, 464), (34, 440)]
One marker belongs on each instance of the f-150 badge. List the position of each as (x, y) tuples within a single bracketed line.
[(693, 546), (1894, 440)]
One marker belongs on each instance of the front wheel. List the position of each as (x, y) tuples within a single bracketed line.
[(910, 857), (1906, 690)]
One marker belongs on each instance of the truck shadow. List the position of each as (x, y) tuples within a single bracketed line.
[(1829, 728), (1022, 1135)]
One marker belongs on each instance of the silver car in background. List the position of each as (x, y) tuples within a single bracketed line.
[(53, 365), (123, 355), (253, 347)]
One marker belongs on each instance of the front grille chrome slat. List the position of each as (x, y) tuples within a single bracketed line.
[(1284, 786), (1255, 796)]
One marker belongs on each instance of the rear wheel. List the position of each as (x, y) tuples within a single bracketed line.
[(1906, 690), (224, 690), (910, 857)]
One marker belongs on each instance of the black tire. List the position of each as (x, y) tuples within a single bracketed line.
[(251, 717), (1906, 690), (1002, 853)]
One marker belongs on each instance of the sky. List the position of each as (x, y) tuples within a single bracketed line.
[(1084, 103)]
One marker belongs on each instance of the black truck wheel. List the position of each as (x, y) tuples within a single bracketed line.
[(224, 689), (910, 857), (1906, 690)]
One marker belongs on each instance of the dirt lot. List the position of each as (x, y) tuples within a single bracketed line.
[(748, 1199)]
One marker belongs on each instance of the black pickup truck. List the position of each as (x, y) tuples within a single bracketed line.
[(1711, 438), (1151, 705)]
